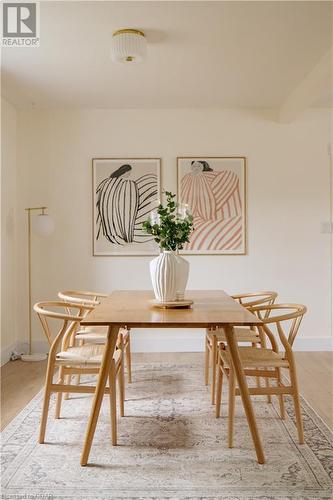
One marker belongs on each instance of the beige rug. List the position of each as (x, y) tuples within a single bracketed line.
[(170, 446)]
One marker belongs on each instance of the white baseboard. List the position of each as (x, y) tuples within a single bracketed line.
[(40, 346), (170, 340), (313, 344), (6, 352), (165, 340)]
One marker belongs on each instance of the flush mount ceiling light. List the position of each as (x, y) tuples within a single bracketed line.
[(128, 46)]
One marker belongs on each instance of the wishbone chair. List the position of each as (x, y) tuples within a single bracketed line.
[(280, 321), (97, 334), (71, 360), (243, 334)]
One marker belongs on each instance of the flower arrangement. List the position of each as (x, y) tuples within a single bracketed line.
[(171, 225)]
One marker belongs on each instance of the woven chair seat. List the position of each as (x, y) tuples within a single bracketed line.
[(97, 334), (89, 354), (243, 334), (91, 336), (257, 358)]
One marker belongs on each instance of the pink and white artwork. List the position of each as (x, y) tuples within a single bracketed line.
[(214, 190)]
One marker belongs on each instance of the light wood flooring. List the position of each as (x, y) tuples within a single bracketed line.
[(21, 381)]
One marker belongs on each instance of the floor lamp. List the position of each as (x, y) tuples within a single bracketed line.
[(44, 226)]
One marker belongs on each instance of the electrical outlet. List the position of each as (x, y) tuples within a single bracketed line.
[(327, 227)]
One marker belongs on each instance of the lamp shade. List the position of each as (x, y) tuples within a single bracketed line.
[(43, 225), (128, 46), (183, 210)]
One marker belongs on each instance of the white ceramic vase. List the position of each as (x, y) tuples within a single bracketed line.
[(163, 276), (182, 272)]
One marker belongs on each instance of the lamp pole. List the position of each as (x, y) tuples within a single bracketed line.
[(29, 210)]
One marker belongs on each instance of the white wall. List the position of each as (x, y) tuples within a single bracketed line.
[(288, 200), (8, 229)]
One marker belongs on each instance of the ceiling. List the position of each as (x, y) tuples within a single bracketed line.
[(200, 54)]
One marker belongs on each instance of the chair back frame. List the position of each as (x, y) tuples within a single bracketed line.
[(82, 297), (295, 312), (256, 299), (70, 322)]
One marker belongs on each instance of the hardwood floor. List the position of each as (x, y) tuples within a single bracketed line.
[(315, 378), (21, 381)]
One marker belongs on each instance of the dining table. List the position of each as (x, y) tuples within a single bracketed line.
[(211, 309)]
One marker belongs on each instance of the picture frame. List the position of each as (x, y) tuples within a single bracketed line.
[(124, 192), (214, 189)]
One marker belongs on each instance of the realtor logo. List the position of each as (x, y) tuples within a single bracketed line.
[(20, 24)]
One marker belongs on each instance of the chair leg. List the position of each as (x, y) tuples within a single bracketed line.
[(281, 396), (263, 345), (121, 388), (128, 359), (299, 420), (113, 403), (231, 411), (68, 380), (46, 403), (219, 390), (59, 395), (213, 360), (45, 412), (297, 404), (206, 359), (78, 376), (254, 345), (268, 384)]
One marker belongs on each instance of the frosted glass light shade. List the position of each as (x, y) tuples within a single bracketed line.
[(154, 217), (183, 210), (43, 225), (128, 46)]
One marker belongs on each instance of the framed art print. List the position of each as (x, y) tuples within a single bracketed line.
[(125, 191), (214, 188)]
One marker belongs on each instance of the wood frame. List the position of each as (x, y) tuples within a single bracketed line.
[(131, 308), (264, 369), (68, 367), (93, 299), (202, 158), (159, 183), (247, 300)]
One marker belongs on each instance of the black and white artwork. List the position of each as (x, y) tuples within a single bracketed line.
[(125, 191)]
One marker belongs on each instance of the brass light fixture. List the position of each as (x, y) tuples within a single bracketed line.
[(128, 46)]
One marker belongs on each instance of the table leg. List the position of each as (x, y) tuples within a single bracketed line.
[(214, 354), (99, 392), (244, 391)]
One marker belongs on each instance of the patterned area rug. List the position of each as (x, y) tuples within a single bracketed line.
[(170, 446)]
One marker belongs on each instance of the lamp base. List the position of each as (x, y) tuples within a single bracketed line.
[(33, 357)]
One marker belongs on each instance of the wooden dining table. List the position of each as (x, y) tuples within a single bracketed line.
[(133, 309)]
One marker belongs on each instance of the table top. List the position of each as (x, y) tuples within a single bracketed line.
[(132, 308)]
